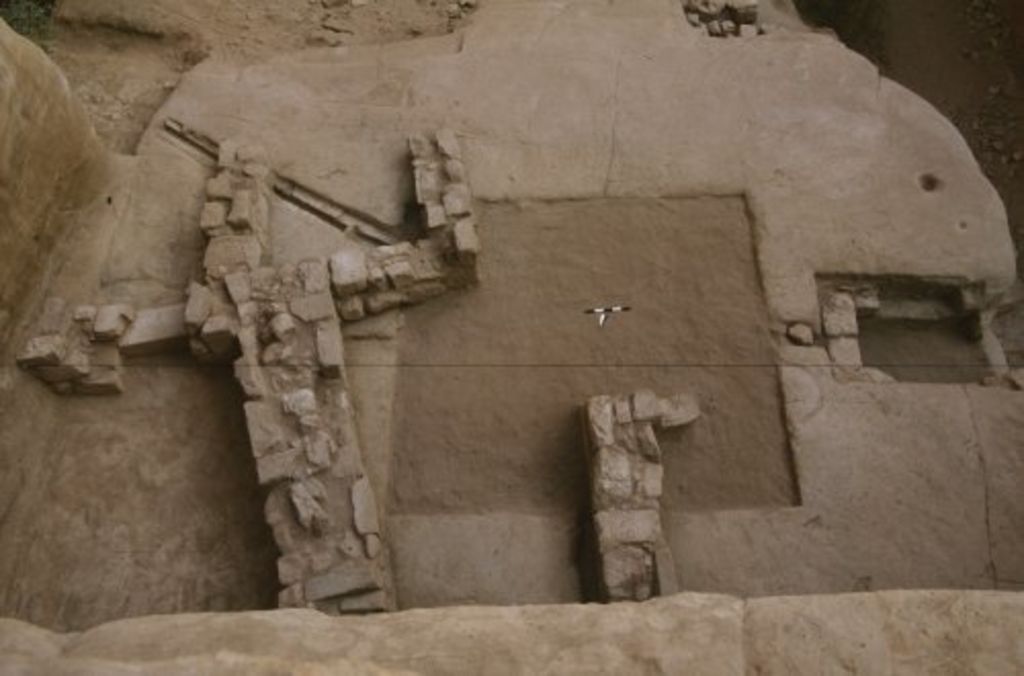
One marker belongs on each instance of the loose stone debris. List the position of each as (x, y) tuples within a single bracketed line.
[(723, 18), (626, 474)]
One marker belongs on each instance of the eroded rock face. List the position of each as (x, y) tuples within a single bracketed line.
[(877, 633), (50, 159)]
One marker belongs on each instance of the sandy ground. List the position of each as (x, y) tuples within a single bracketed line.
[(489, 421)]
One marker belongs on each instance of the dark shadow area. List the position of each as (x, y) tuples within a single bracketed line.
[(939, 351)]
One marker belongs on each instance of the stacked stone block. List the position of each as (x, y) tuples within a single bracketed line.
[(76, 351), (626, 473), (442, 191), (280, 326)]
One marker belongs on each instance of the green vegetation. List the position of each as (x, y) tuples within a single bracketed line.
[(31, 18)]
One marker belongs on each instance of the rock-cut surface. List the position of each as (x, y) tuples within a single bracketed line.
[(873, 633)]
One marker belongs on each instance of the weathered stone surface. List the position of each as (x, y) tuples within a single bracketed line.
[(800, 334), (239, 287), (314, 307), (612, 477), (232, 252), (307, 498), (448, 144), (364, 507), (346, 578), (314, 275), (349, 273), (457, 200), (267, 427), (839, 315), (43, 351), (436, 215), (679, 409), (330, 348), (282, 325), (600, 417), (467, 241), (100, 381), (618, 527), (300, 403), (276, 467), (400, 272), (646, 405), (627, 573), (219, 188), (213, 220), (665, 570), (844, 351), (351, 309), (73, 366), (890, 632), (156, 330), (199, 306), (382, 301), (112, 321)]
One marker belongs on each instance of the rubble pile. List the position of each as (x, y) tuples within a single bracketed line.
[(626, 473)]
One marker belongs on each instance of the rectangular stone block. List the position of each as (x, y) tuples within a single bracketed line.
[(845, 351), (351, 308), (219, 187), (313, 307), (600, 418), (679, 409), (839, 315), (112, 321), (400, 272), (467, 242), (239, 287), (448, 144), (348, 577), (621, 527), (364, 507), (429, 183), (458, 203), (269, 430), (198, 307), (230, 253), (43, 351), (156, 330), (213, 220), (627, 574), (74, 366), (665, 570), (314, 275), (330, 348), (278, 466), (292, 568), (349, 272), (243, 205), (646, 405), (436, 215)]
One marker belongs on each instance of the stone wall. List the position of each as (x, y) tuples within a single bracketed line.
[(47, 148), (896, 632)]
